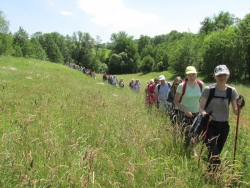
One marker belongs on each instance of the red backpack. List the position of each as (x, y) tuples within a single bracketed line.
[(185, 86)]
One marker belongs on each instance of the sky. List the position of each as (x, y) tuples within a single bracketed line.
[(104, 17)]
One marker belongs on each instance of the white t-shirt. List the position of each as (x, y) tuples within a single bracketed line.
[(163, 92)]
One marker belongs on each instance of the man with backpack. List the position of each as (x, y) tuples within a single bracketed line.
[(161, 93)]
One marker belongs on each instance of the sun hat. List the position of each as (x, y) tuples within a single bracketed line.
[(161, 77), (191, 70), (221, 69), (152, 80)]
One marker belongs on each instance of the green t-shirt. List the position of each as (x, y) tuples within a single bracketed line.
[(191, 97)]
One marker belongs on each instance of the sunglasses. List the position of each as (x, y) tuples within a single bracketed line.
[(176, 84)]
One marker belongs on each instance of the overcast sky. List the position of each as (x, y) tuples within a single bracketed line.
[(104, 17)]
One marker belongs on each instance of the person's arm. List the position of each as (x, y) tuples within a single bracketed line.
[(180, 106), (156, 93), (203, 102)]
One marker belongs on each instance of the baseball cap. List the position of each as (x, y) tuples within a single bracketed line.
[(161, 77), (152, 80), (221, 69), (191, 70)]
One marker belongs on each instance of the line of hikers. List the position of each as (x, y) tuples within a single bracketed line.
[(190, 101), (134, 85)]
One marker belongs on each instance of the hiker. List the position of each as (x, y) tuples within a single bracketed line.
[(172, 109), (188, 94), (131, 84), (173, 89), (121, 83), (114, 80), (151, 92), (137, 86), (161, 93), (218, 129), (104, 77), (147, 86)]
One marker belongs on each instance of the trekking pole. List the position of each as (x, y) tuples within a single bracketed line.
[(236, 135), (205, 135)]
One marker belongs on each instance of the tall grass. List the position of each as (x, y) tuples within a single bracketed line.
[(61, 128)]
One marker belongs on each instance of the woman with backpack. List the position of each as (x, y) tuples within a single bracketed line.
[(188, 95), (217, 98), (173, 89)]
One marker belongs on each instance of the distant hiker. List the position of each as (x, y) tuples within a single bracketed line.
[(147, 86), (218, 95), (131, 84), (151, 92), (111, 80), (94, 75), (161, 92), (104, 77), (115, 80), (137, 86), (121, 83)]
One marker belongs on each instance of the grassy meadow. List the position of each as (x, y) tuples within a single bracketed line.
[(61, 128)]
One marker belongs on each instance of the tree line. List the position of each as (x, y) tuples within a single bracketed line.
[(222, 39)]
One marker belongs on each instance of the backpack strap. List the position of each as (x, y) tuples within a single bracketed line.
[(200, 84), (210, 96), (212, 92), (184, 87)]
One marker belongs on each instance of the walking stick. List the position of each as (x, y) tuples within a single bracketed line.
[(236, 134), (205, 135)]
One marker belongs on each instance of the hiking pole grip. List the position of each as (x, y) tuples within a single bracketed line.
[(236, 135)]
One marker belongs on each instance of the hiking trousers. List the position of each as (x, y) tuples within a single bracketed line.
[(215, 140)]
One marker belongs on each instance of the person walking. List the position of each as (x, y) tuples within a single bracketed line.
[(151, 92), (121, 83), (217, 98), (137, 86), (188, 95), (161, 92), (172, 109), (114, 80), (177, 81)]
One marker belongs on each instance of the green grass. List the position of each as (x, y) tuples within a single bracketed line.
[(61, 128)]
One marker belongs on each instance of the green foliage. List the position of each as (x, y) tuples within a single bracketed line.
[(147, 64), (53, 51), (221, 21), (39, 51), (4, 24), (82, 53), (21, 39), (244, 37), (219, 48), (116, 64), (182, 53), (6, 47), (123, 44), (142, 43)]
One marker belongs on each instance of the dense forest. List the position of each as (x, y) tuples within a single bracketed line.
[(222, 39)]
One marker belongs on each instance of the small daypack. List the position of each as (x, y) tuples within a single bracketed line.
[(185, 87)]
